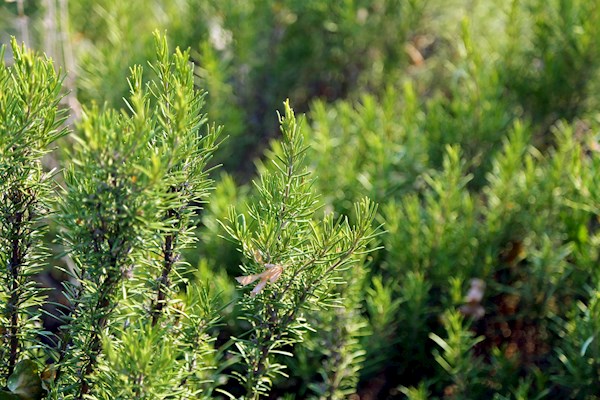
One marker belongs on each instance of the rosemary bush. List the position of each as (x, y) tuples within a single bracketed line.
[(135, 326), (294, 260), (30, 121), (474, 125), (126, 214)]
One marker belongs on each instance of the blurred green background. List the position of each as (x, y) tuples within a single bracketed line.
[(473, 123)]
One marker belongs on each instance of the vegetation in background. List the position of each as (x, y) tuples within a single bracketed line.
[(473, 125)]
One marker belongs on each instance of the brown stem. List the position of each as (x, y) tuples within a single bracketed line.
[(164, 282), (258, 365), (103, 305), (66, 336), (19, 246), (168, 263), (13, 302)]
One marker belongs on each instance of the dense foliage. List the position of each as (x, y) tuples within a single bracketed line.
[(474, 126)]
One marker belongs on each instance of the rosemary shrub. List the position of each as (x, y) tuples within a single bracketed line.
[(127, 213), (135, 326), (30, 90), (295, 259)]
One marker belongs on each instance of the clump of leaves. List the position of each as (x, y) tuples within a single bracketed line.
[(29, 122), (295, 259)]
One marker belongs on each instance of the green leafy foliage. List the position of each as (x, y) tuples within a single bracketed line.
[(555, 83), (474, 125), (454, 357), (128, 212), (29, 122), (295, 260), (579, 351)]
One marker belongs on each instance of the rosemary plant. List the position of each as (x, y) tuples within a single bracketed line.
[(295, 259), (334, 344), (29, 122), (132, 191)]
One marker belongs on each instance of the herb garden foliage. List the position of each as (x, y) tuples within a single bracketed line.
[(29, 95), (296, 260), (475, 126), (135, 327)]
